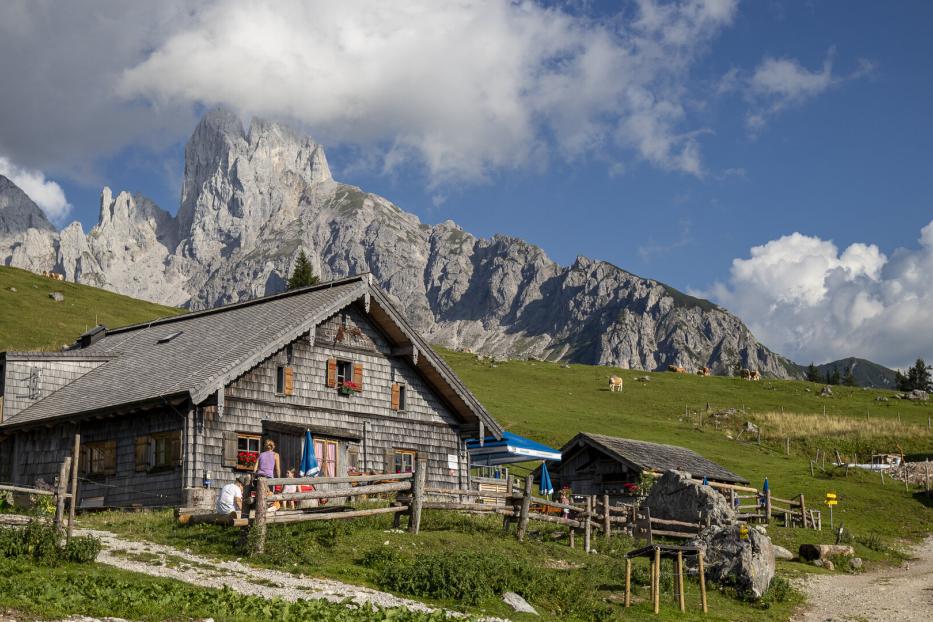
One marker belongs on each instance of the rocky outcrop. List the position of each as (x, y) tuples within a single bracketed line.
[(252, 199), (747, 562), (677, 497)]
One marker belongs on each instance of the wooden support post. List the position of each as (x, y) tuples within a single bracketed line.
[(628, 582), (882, 476), (648, 525), (572, 537), (680, 581), (73, 505), (258, 535), (768, 506), (607, 522), (702, 571), (657, 579), (61, 493), (526, 507), (811, 469), (417, 495), (803, 511), (588, 524)]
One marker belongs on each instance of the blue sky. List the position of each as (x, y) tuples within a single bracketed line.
[(780, 118)]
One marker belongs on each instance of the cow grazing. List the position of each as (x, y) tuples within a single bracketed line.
[(754, 375), (676, 369), (703, 371), (53, 275), (745, 374), (615, 383)]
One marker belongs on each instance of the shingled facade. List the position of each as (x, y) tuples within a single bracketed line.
[(164, 407)]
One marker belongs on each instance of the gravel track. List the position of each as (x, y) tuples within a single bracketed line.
[(903, 594)]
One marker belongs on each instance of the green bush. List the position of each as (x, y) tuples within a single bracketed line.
[(81, 549), (379, 557), (872, 541), (39, 541), (779, 591)]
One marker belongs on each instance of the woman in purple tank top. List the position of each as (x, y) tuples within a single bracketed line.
[(268, 463)]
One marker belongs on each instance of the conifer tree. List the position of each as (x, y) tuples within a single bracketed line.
[(302, 274), (813, 374), (849, 378)]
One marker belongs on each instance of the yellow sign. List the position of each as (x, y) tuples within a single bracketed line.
[(832, 502), (743, 532), (830, 495)]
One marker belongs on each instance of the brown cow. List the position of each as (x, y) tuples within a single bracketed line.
[(704, 371), (746, 375), (676, 369), (754, 375)]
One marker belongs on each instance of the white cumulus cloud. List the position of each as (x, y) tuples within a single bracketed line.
[(47, 194), (804, 298), (463, 87)]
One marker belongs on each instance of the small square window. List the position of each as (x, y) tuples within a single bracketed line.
[(403, 461), (247, 446)]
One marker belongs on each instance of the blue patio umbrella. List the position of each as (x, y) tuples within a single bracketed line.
[(764, 487), (545, 487), (308, 466), (705, 481)]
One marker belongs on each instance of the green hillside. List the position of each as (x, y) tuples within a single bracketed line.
[(31, 320), (551, 403)]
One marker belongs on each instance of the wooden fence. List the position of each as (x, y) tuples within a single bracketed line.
[(765, 506)]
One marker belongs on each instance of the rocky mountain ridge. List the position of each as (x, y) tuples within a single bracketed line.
[(253, 198)]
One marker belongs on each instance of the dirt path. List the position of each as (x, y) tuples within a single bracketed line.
[(902, 594), (165, 561)]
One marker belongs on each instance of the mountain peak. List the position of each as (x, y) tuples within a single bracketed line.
[(18, 212)]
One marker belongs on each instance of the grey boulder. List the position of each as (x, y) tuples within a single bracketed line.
[(677, 497), (748, 564), (518, 603)]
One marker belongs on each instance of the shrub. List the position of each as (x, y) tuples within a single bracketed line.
[(872, 541), (39, 541), (778, 592), (379, 557)]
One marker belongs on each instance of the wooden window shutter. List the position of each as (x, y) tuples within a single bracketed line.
[(358, 374), (331, 373), (289, 380), (230, 449), (142, 453), (396, 391), (110, 458)]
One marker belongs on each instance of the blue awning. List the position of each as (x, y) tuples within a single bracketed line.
[(512, 448)]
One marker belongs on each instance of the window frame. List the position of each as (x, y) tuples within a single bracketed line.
[(248, 437), (343, 365), (93, 461), (280, 379), (399, 458), (402, 397), (322, 460), (169, 459)]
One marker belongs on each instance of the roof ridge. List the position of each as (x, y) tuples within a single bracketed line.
[(237, 305)]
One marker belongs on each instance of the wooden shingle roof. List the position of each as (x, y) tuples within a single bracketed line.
[(191, 356), (654, 456)]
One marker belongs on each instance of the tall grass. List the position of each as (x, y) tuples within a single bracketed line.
[(778, 426)]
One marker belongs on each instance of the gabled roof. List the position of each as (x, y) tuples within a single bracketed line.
[(653, 456), (191, 356)]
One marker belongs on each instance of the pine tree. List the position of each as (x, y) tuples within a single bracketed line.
[(901, 381), (849, 378), (813, 374), (835, 379), (918, 376), (302, 274)]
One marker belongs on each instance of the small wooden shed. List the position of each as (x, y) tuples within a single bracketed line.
[(595, 464)]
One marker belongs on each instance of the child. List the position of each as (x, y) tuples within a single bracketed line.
[(288, 489)]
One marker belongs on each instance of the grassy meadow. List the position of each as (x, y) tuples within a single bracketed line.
[(30, 320)]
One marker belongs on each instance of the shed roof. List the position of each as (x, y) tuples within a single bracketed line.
[(654, 456), (211, 348)]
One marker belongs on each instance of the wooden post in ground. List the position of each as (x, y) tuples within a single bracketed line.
[(75, 459), (680, 581), (926, 475), (526, 507), (572, 537), (768, 506), (417, 495), (803, 511), (811, 469), (588, 524), (882, 476), (258, 536), (607, 522), (648, 525), (61, 492), (702, 571), (628, 582), (657, 579)]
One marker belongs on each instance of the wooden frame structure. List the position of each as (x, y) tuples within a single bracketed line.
[(655, 552)]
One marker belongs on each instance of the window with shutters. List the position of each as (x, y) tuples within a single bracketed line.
[(344, 372), (398, 396), (166, 450), (99, 458), (284, 380), (403, 461)]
